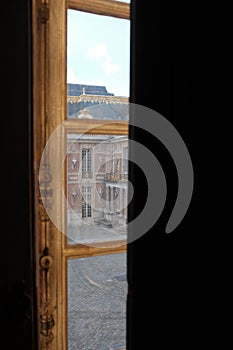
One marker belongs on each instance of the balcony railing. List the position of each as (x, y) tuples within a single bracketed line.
[(114, 177)]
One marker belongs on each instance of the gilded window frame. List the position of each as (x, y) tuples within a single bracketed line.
[(49, 111)]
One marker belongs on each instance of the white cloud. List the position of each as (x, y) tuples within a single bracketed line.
[(100, 51), (109, 67), (71, 76)]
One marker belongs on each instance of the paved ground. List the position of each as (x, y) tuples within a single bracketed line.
[(97, 289), (94, 234)]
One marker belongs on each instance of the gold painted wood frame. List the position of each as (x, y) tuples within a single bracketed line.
[(49, 30), (102, 7)]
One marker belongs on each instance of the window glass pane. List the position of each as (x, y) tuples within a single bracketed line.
[(97, 187), (97, 290), (97, 179), (97, 66)]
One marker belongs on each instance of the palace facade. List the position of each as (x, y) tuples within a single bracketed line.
[(97, 165)]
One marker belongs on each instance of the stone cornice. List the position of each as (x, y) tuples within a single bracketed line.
[(98, 99)]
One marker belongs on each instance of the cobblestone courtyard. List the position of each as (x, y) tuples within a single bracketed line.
[(97, 289), (88, 234)]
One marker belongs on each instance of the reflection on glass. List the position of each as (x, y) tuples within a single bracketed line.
[(97, 289), (97, 174)]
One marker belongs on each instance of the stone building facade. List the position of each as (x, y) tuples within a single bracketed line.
[(97, 165)]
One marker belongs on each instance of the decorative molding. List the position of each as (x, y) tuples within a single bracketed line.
[(98, 99), (43, 11), (74, 194), (74, 162), (46, 193), (47, 322), (49, 104)]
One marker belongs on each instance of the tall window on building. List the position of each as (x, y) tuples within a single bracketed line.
[(86, 163), (86, 202)]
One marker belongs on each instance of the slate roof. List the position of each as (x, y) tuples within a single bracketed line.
[(78, 89), (101, 105)]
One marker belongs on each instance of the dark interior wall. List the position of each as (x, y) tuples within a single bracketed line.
[(167, 299), (16, 282)]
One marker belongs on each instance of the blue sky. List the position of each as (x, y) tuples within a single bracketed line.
[(98, 51)]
